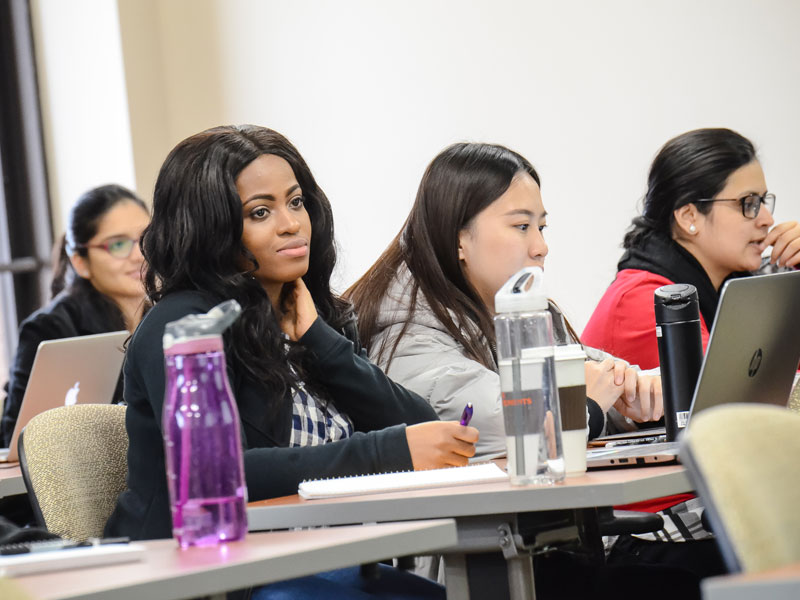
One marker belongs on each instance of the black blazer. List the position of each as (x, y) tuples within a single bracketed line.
[(67, 315), (378, 407)]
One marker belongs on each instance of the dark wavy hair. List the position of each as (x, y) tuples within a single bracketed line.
[(689, 167), (459, 183), (84, 220), (194, 242)]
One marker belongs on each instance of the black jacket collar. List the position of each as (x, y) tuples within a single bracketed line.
[(663, 256)]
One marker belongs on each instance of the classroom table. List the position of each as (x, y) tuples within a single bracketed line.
[(168, 573), (776, 584), (490, 517), (11, 483)]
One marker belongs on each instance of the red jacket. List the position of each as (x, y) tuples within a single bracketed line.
[(624, 322)]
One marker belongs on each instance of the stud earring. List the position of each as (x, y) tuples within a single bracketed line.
[(692, 228)]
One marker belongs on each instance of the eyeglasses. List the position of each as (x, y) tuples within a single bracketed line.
[(751, 204), (120, 247)]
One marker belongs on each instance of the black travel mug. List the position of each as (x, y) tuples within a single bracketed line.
[(680, 351)]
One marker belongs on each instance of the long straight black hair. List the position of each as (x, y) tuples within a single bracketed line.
[(194, 242), (692, 166), (459, 183)]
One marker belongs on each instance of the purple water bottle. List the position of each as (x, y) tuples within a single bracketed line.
[(205, 472)]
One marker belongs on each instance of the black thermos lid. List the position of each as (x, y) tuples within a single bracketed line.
[(676, 303)]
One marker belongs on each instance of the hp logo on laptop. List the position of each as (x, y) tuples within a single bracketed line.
[(755, 363)]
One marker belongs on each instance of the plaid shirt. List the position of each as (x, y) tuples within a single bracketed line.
[(314, 423)]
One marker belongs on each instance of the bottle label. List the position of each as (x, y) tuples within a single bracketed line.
[(515, 401), (682, 418), (658, 330)]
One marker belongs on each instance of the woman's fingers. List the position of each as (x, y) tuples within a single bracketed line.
[(645, 399), (658, 398), (438, 444), (299, 312), (785, 241), (630, 384), (619, 372)]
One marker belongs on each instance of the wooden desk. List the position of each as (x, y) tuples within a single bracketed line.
[(595, 488), (775, 584), (168, 573), (11, 482), (492, 517)]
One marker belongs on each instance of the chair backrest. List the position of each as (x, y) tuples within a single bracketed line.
[(743, 460), (11, 590), (74, 463), (794, 397)]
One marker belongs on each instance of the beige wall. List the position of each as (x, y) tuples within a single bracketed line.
[(371, 91), (172, 69)]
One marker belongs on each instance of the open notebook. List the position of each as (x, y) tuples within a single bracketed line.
[(405, 480)]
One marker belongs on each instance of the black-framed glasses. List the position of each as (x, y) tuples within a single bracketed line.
[(751, 204), (120, 247)]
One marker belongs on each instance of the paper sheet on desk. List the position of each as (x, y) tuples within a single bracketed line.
[(407, 480), (71, 558)]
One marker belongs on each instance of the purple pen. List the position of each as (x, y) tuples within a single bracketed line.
[(466, 416)]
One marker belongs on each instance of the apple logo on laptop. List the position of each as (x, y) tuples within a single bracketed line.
[(72, 394)]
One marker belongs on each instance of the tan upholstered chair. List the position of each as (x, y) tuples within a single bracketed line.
[(794, 398), (743, 460), (74, 462), (10, 590)]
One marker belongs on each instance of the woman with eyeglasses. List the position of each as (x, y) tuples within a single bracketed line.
[(707, 217), (97, 284)]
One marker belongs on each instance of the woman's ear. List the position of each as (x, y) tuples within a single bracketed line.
[(81, 265), (461, 242), (687, 221)]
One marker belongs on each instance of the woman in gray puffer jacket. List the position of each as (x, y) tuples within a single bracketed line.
[(426, 306)]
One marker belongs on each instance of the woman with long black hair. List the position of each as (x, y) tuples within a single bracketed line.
[(426, 306), (237, 214), (97, 284)]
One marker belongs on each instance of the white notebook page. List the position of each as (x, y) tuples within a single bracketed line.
[(407, 480)]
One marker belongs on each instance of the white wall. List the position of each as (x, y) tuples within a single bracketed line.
[(83, 98), (371, 91)]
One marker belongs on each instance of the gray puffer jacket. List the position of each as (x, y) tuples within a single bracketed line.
[(431, 363)]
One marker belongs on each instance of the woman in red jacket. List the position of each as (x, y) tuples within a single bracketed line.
[(707, 217)]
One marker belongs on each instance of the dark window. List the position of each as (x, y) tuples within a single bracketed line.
[(25, 220)]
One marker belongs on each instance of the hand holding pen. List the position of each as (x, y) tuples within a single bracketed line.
[(438, 444)]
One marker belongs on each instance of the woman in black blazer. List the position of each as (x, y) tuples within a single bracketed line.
[(238, 214), (97, 285)]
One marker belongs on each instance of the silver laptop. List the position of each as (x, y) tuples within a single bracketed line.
[(76, 370), (752, 356)]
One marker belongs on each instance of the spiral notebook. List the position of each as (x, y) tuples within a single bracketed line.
[(404, 480), (40, 561)]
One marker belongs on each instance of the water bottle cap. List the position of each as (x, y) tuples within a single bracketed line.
[(193, 334), (524, 292), (676, 303)]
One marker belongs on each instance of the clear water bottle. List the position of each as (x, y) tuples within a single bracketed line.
[(524, 330), (205, 472)]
